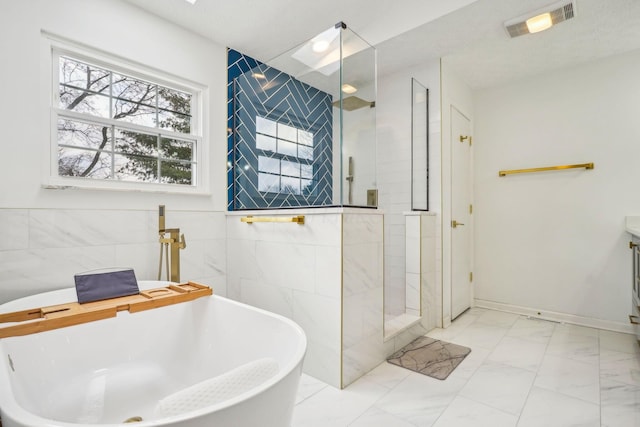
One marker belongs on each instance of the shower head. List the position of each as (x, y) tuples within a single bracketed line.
[(351, 103)]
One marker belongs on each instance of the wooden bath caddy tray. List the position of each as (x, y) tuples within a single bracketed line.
[(69, 314)]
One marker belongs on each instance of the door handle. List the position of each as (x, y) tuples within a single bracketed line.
[(632, 319), (455, 223), (632, 245)]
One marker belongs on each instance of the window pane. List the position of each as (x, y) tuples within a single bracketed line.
[(83, 76), (290, 168), (265, 143), (306, 171), (176, 149), (174, 121), (265, 126), (266, 164), (134, 113), (80, 134), (84, 102), (305, 137), (268, 183), (83, 163), (176, 173), (287, 148), (290, 185), (130, 89), (287, 132), (174, 101), (136, 143), (135, 168), (305, 152)]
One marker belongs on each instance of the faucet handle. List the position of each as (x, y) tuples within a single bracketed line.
[(183, 242)]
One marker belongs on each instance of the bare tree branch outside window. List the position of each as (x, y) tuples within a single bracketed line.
[(88, 147)]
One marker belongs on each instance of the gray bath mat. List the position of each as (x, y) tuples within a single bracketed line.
[(430, 357)]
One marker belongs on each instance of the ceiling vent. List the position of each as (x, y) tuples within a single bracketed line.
[(553, 14)]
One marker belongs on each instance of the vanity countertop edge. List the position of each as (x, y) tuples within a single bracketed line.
[(632, 225)]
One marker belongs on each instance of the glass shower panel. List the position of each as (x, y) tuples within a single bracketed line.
[(419, 146), (356, 110)]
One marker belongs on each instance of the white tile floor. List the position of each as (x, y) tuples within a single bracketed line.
[(521, 372)]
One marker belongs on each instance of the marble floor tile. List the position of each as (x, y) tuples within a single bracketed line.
[(616, 341), (577, 379), (420, 399), (534, 330), (500, 386), (307, 387), (480, 335), (498, 318), (621, 367), (471, 363), (337, 408), (620, 404), (463, 412), (521, 372), (375, 417), (569, 329), (519, 353), (545, 408), (387, 375), (574, 342)]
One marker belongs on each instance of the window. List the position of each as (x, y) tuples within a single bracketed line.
[(285, 158), (115, 125)]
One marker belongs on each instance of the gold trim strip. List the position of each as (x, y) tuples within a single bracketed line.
[(550, 168), (298, 219)]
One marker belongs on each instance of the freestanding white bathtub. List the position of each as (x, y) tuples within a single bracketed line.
[(109, 371)]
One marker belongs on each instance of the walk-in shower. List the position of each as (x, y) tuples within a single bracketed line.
[(301, 122)]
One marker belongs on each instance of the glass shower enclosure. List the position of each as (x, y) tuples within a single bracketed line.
[(302, 126)]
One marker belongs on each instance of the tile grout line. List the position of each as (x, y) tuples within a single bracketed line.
[(546, 348)]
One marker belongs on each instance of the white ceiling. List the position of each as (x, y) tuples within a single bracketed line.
[(469, 34)]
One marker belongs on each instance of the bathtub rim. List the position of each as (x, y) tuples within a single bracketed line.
[(10, 407)]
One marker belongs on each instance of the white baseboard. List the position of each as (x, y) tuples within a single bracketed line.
[(557, 317)]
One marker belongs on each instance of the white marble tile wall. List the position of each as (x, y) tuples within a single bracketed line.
[(394, 170), (293, 270), (431, 271), (412, 261), (44, 248), (326, 275), (362, 287)]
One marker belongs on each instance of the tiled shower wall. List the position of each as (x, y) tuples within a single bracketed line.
[(394, 170), (41, 249)]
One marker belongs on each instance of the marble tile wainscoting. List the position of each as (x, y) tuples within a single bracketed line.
[(41, 249), (327, 276)]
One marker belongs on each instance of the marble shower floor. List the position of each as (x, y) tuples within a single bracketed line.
[(521, 372)]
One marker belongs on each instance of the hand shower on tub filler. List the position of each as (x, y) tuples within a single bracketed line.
[(171, 245)]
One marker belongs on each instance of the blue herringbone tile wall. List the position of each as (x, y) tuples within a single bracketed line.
[(257, 90)]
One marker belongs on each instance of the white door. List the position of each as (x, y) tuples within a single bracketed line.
[(460, 213)]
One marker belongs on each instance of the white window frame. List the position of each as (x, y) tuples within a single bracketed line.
[(55, 48)]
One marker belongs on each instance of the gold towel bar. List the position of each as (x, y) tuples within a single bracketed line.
[(298, 219), (550, 168)]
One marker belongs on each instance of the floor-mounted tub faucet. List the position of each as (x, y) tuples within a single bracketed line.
[(175, 242)]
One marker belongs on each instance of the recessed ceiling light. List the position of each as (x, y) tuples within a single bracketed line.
[(348, 89), (539, 22), (191, 1), (541, 19)]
